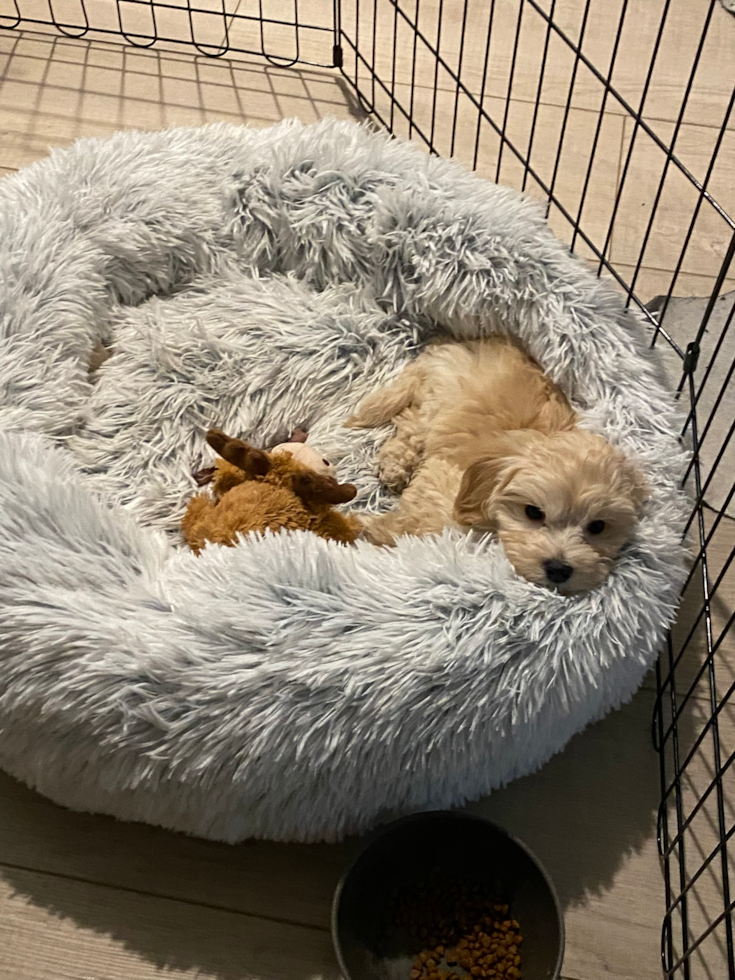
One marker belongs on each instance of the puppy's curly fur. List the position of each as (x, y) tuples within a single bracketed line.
[(485, 440)]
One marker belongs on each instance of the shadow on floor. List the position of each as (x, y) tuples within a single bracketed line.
[(591, 805), (263, 909)]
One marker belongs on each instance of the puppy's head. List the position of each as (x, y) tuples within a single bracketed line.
[(562, 505)]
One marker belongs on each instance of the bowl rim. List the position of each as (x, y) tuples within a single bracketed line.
[(384, 829)]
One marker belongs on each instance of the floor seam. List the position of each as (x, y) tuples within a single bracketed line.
[(170, 898)]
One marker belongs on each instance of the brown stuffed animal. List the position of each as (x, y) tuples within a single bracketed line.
[(253, 490)]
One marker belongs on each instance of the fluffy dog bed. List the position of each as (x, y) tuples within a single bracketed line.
[(287, 688)]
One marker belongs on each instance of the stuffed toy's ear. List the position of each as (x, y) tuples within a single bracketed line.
[(316, 489), (237, 452), (205, 476)]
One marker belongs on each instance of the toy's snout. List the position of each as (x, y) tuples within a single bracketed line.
[(316, 489)]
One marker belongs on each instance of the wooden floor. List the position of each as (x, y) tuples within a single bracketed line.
[(88, 898)]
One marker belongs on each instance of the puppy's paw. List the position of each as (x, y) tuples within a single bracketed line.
[(394, 474), (375, 528)]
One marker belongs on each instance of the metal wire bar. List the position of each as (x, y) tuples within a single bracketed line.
[(570, 95), (670, 149), (624, 104), (485, 66), (14, 21), (683, 867), (636, 125), (393, 70), (215, 50), (195, 15), (458, 87), (697, 208), (713, 726), (726, 916), (718, 347), (539, 89), (600, 117), (413, 76), (437, 62), (705, 864), (446, 97), (511, 76)]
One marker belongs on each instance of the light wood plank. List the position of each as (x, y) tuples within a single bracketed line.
[(589, 815), (583, 147), (287, 881), (698, 827), (691, 623), (71, 930), (675, 206), (53, 91), (312, 42), (104, 20), (526, 39), (657, 282)]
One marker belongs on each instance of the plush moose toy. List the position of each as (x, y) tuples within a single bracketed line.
[(291, 487)]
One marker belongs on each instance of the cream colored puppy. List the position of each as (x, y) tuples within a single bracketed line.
[(485, 440)]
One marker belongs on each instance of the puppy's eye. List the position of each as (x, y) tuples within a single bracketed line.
[(326, 462), (596, 527), (534, 514)]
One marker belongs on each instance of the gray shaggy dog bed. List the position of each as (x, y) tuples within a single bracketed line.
[(287, 688)]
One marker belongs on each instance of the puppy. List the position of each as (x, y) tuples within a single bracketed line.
[(483, 439)]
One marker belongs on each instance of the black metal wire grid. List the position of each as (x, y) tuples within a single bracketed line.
[(635, 167), (284, 32), (516, 90)]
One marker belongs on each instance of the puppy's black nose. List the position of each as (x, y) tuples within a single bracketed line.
[(557, 571)]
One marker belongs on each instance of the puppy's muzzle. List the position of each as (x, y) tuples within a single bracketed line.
[(557, 571)]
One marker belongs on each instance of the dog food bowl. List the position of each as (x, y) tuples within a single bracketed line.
[(369, 943)]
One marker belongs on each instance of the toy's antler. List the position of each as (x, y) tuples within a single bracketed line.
[(316, 489), (235, 451)]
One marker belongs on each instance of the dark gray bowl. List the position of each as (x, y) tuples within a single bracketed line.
[(370, 946)]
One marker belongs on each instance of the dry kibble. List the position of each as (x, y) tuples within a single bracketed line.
[(457, 927)]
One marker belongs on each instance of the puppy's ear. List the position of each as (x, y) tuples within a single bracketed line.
[(640, 491), (479, 483), (316, 489), (235, 451)]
